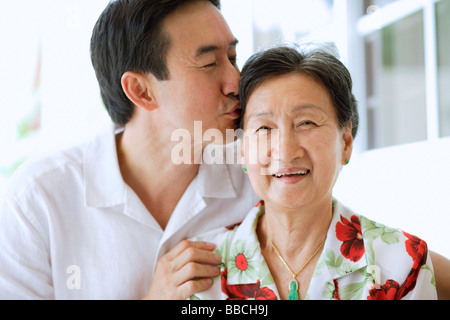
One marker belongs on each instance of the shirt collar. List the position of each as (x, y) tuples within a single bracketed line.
[(212, 181), (245, 245), (214, 178), (332, 257), (344, 250), (104, 186)]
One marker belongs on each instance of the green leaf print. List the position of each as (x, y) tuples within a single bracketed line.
[(427, 267), (352, 291), (328, 293), (347, 268), (331, 260), (374, 230)]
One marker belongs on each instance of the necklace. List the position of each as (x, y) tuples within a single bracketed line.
[(293, 284)]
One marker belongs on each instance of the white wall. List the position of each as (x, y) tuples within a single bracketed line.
[(71, 107), (406, 187)]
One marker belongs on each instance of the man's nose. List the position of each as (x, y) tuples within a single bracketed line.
[(231, 81)]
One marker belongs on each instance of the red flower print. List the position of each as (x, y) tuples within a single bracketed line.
[(336, 290), (349, 232), (388, 291), (241, 262), (246, 291), (417, 249), (232, 226), (265, 293)]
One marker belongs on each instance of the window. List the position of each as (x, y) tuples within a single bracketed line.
[(408, 70), (396, 83), (443, 53), (404, 72), (371, 6)]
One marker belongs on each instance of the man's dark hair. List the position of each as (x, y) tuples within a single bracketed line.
[(318, 64), (129, 36)]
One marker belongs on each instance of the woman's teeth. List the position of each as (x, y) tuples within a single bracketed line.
[(302, 172)]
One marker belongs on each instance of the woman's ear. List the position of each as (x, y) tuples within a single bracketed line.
[(242, 156), (138, 89), (347, 147)]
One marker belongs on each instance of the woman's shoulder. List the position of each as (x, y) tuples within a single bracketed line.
[(396, 255), (383, 244)]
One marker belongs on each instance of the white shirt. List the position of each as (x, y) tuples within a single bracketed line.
[(70, 228)]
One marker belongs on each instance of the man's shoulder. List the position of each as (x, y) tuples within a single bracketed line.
[(65, 167), (54, 167), (223, 237)]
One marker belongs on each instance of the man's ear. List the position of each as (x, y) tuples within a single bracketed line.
[(137, 88)]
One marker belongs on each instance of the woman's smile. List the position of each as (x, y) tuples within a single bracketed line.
[(291, 175)]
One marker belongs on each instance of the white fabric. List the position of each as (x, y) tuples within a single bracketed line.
[(70, 228)]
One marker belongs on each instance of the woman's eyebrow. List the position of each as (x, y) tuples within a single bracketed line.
[(296, 109), (308, 106)]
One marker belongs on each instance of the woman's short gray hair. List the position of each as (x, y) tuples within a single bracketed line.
[(316, 63)]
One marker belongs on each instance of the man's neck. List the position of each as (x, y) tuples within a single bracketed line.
[(147, 167)]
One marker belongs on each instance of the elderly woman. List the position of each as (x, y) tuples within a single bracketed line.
[(300, 118)]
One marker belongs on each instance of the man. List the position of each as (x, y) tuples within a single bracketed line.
[(108, 220), (92, 221)]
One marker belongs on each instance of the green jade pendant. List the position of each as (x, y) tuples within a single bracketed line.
[(293, 289)]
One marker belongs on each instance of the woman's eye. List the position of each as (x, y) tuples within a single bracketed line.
[(263, 129), (306, 123)]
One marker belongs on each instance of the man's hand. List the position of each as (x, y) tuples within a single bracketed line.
[(185, 270)]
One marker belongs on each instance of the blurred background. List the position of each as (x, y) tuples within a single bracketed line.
[(398, 52)]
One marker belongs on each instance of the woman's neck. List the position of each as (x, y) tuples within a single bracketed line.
[(297, 237), (295, 230)]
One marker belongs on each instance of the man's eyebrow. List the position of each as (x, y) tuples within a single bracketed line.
[(212, 47)]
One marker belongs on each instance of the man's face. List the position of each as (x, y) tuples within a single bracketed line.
[(203, 76)]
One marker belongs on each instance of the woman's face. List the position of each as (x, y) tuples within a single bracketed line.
[(293, 146)]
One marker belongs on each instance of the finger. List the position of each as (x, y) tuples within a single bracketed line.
[(185, 244), (191, 287), (195, 271), (196, 255), (181, 284)]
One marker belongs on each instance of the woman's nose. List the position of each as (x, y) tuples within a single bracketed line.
[(286, 147)]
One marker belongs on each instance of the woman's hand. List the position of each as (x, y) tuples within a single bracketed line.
[(185, 270)]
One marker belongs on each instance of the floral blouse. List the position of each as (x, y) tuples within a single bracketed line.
[(361, 260)]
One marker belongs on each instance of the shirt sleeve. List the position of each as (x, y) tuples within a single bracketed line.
[(25, 270), (425, 286)]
